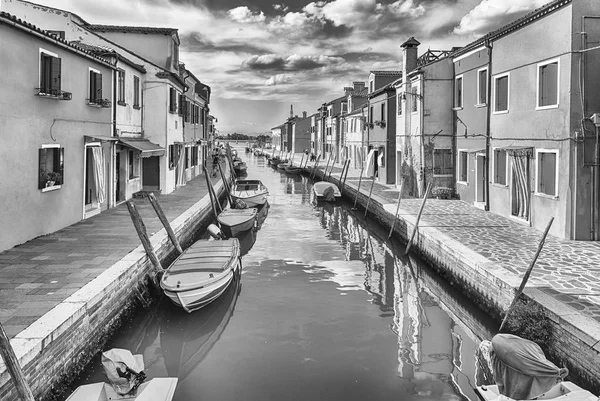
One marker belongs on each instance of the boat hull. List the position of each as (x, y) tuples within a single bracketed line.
[(251, 201), (197, 298), (157, 389), (564, 391), (320, 187)]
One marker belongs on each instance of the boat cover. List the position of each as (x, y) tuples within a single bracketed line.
[(124, 370), (521, 369)]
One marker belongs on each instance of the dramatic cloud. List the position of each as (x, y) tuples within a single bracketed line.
[(294, 62), (279, 79), (197, 43), (243, 15), (492, 14)]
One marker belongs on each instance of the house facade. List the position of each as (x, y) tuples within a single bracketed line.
[(381, 135), (195, 110), (57, 138), (301, 132), (277, 137)]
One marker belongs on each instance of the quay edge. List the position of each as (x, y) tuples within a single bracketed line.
[(56, 348), (575, 341)]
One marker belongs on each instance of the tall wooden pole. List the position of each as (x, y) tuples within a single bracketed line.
[(227, 191), (359, 180), (213, 202), (138, 223), (326, 166), (527, 273), (370, 193), (344, 174), (414, 231), (164, 221), (332, 164), (315, 167), (14, 368), (397, 208)]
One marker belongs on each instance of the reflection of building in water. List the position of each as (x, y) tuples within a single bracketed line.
[(428, 347)]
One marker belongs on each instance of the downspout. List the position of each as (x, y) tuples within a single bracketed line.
[(113, 146), (421, 96), (488, 45)]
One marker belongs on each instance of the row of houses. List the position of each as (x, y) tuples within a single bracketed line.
[(508, 122), (91, 115)]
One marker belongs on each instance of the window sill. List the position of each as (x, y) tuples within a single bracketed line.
[(442, 175), (457, 108), (137, 107), (520, 220), (552, 106), (52, 188), (501, 112), (121, 103), (137, 177), (546, 196), (495, 184), (99, 106), (481, 105), (462, 182)]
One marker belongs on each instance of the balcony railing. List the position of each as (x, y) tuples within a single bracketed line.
[(53, 93), (99, 102)]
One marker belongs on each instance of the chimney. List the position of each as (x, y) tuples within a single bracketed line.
[(409, 55), (303, 114), (348, 90), (358, 86)]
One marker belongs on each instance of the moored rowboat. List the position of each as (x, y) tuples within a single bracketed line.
[(235, 221), (252, 192), (326, 191)]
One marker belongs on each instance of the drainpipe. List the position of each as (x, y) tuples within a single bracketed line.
[(113, 147), (488, 45)]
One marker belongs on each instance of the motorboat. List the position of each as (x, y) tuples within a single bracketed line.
[(327, 191), (252, 192), (239, 167), (125, 381), (521, 371), (235, 221), (202, 273)]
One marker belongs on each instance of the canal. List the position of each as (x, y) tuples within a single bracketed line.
[(325, 310)]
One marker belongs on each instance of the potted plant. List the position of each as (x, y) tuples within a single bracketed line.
[(442, 192), (52, 178)]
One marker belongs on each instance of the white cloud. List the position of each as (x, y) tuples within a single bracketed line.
[(489, 13), (406, 8), (244, 15), (279, 79)]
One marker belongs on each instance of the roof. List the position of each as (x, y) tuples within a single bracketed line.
[(388, 73), (513, 26), (382, 89), (172, 76), (55, 9), (411, 42), (339, 99), (104, 50), (10, 19), (131, 29)]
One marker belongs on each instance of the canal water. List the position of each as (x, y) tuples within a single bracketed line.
[(325, 310)]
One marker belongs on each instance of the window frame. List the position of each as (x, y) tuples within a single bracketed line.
[(61, 167), (121, 87), (479, 102), (496, 78), (506, 168), (172, 100), (41, 66), (399, 104), (459, 166), (458, 106), (537, 171), (414, 96), (94, 101), (537, 90), (136, 92), (433, 159), (383, 119)]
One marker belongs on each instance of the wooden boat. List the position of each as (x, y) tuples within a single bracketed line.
[(321, 190), (563, 391), (240, 167), (235, 221), (282, 165), (202, 273), (157, 389), (293, 169), (275, 161), (252, 192)]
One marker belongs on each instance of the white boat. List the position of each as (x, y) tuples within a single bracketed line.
[(202, 273), (157, 389), (252, 192), (236, 221), (327, 191), (563, 391)]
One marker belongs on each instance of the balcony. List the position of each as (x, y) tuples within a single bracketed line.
[(53, 94), (104, 103)]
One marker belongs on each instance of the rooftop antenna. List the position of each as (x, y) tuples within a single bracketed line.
[(291, 111)]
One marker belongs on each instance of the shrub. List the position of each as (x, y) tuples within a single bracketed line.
[(442, 192), (528, 320)]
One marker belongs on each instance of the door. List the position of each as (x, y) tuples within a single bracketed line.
[(89, 180), (151, 173), (480, 178)]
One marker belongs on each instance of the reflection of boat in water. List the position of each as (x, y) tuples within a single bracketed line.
[(187, 339), (247, 241)]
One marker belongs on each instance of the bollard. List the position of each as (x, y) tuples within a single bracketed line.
[(164, 221)]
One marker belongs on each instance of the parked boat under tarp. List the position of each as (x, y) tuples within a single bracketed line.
[(327, 191)]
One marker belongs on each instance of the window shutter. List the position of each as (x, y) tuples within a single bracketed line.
[(92, 94), (42, 167), (55, 74), (98, 86)]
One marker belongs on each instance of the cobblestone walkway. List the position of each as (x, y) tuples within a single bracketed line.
[(569, 271), (41, 273)]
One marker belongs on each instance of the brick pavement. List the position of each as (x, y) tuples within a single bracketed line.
[(41, 273)]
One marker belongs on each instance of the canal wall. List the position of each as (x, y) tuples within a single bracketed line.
[(56, 348), (575, 341)]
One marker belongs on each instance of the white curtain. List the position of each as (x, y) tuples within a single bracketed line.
[(369, 168), (520, 182), (99, 179), (181, 176)]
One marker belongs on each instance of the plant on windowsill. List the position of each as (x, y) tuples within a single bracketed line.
[(380, 123), (104, 103), (442, 192), (51, 178)]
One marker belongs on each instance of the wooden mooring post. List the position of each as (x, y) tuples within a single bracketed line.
[(14, 368), (315, 167), (332, 165), (397, 208), (138, 223), (414, 231), (226, 185), (370, 193), (165, 222), (343, 175)]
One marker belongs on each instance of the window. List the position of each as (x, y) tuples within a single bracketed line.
[(482, 78), (547, 172), (95, 87), (463, 166), (121, 79), (58, 34), (382, 111), (175, 55), (399, 104), (370, 86), (442, 162), (172, 100), (458, 92), (371, 114), (134, 164), (50, 74), (548, 85), (136, 92), (181, 109), (501, 93), (173, 156), (187, 111), (414, 99), (500, 166), (194, 155), (51, 167)]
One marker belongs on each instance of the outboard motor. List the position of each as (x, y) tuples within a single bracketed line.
[(215, 232)]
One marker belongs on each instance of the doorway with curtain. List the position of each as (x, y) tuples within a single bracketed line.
[(94, 180), (520, 182)]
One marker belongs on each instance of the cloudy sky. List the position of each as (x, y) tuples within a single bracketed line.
[(261, 56)]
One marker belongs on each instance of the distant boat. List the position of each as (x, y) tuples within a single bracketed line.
[(327, 191), (202, 273), (239, 167), (235, 221), (252, 192), (293, 169)]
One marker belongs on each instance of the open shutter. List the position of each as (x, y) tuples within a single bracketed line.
[(55, 75), (92, 87), (98, 86), (42, 168)]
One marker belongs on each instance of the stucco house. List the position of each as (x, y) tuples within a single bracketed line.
[(195, 136), (57, 124), (301, 131), (350, 131)]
